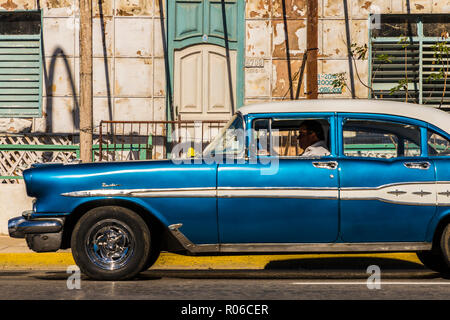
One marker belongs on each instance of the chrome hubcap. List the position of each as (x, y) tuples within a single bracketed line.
[(110, 244)]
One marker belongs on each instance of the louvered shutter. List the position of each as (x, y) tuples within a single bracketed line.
[(20, 64), (386, 75), (433, 89)]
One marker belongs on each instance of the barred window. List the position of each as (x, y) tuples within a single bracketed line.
[(410, 57)]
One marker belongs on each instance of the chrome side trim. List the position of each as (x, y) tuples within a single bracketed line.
[(326, 247), (419, 193), (211, 192), (145, 193), (392, 185), (298, 193), (296, 247), (188, 245), (426, 193)]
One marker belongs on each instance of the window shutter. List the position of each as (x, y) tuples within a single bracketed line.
[(391, 63), (433, 89), (20, 63), (20, 77)]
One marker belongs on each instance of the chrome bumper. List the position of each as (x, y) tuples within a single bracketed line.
[(42, 235)]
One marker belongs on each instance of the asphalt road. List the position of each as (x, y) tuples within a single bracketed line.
[(399, 284)]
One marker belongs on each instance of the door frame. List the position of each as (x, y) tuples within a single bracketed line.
[(239, 47)]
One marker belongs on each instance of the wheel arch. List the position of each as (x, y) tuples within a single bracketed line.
[(147, 215), (443, 221)]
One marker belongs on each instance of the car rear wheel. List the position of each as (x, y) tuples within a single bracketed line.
[(111, 243), (439, 259), (432, 260), (445, 248)]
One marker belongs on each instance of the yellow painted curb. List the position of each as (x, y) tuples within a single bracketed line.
[(175, 261), (260, 261), (35, 259)]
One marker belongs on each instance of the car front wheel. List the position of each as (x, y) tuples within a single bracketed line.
[(111, 243)]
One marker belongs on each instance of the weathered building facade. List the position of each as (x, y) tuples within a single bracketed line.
[(154, 64), (157, 60)]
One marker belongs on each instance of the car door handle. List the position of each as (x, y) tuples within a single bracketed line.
[(424, 165), (325, 164)]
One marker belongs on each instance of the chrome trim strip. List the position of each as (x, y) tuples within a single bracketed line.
[(296, 247), (187, 244), (391, 194), (326, 247), (295, 193), (391, 185), (211, 192), (145, 193), (427, 193)]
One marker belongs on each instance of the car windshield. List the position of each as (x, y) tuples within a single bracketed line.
[(229, 141)]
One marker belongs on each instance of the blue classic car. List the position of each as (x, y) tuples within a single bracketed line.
[(290, 177)]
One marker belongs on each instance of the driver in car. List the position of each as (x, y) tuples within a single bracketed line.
[(311, 139)]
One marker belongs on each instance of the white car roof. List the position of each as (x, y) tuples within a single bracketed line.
[(436, 117)]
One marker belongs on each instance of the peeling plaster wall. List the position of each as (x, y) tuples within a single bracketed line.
[(128, 64), (129, 75)]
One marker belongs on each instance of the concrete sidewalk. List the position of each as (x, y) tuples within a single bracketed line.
[(12, 245), (14, 253)]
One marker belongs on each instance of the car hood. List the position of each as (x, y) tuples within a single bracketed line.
[(50, 178)]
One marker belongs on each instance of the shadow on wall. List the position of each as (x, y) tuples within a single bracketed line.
[(50, 73)]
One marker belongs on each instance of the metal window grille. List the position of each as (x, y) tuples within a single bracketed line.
[(403, 59)]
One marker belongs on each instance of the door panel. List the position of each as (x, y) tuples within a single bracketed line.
[(195, 18), (298, 204), (189, 19), (190, 81), (216, 25), (383, 200), (218, 95), (387, 189), (202, 85)]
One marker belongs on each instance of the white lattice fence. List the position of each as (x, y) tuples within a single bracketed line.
[(19, 152)]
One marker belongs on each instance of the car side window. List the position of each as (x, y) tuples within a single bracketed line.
[(291, 137), (438, 145), (380, 139)]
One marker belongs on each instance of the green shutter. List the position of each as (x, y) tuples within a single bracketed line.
[(410, 58), (20, 75), (433, 89), (404, 61)]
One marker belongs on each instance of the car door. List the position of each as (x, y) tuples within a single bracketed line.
[(438, 147), (387, 188), (279, 198)]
